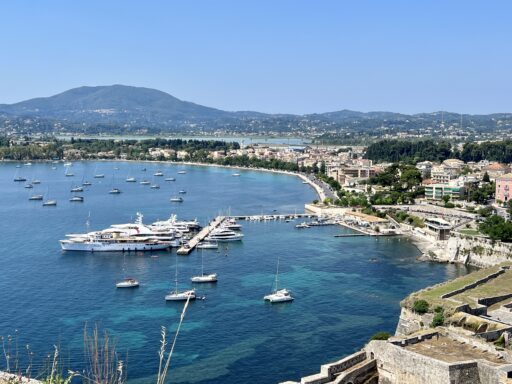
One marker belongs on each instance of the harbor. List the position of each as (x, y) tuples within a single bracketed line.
[(200, 236)]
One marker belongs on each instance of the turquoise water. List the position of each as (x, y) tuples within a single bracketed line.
[(231, 337)]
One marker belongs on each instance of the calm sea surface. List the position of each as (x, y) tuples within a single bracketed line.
[(231, 337)]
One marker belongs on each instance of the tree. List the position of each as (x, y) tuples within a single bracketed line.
[(322, 168), (486, 178), (446, 199), (381, 336)]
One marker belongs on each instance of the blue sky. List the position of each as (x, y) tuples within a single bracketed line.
[(267, 55)]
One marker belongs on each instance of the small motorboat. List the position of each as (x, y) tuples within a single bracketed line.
[(170, 179), (36, 181), (86, 183), (207, 245), (144, 182), (127, 283), (27, 164), (69, 174), (36, 197), (99, 176), (19, 178), (302, 225), (176, 199), (50, 203), (182, 192), (28, 186), (158, 173), (77, 199), (77, 189), (181, 172), (131, 180), (236, 174), (115, 191), (155, 186)]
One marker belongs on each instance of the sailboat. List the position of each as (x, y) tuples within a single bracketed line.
[(202, 278), (114, 191), (98, 175), (278, 295), (176, 295), (68, 173), (49, 202), (127, 282)]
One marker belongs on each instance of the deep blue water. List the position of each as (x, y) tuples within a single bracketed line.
[(231, 337)]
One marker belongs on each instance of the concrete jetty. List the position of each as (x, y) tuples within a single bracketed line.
[(200, 236)]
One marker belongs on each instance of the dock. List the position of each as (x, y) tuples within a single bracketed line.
[(350, 234), (200, 236)]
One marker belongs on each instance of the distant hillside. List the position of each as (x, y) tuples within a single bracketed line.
[(119, 109), (112, 103)]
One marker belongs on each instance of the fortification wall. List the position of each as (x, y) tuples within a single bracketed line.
[(477, 251)]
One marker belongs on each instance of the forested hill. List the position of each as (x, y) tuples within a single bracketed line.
[(415, 151)]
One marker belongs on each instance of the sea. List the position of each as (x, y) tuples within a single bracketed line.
[(346, 288)]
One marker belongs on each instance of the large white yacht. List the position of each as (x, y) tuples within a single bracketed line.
[(111, 240), (224, 235), (232, 224)]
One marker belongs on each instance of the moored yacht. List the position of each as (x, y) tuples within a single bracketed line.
[(115, 191), (78, 188), (127, 283), (144, 182), (155, 186), (50, 203), (36, 197), (170, 179), (29, 186), (176, 199), (181, 172), (207, 245), (158, 173), (111, 240), (19, 178), (99, 176), (232, 224), (278, 295), (131, 180), (178, 295), (76, 199), (224, 235)]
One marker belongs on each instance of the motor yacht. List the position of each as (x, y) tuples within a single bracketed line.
[(19, 178), (77, 189), (182, 192), (36, 197), (77, 199), (224, 235), (36, 181), (99, 176), (29, 186), (144, 182), (131, 180), (155, 186), (111, 240), (232, 224), (115, 191), (170, 179), (302, 225), (127, 283), (176, 199), (181, 172), (50, 203), (158, 173)]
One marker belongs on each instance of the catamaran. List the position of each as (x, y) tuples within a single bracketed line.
[(278, 295)]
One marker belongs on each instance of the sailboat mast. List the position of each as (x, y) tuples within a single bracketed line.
[(277, 271), (176, 274)]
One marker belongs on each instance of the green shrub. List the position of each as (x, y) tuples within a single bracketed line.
[(438, 320), (381, 336), (420, 307), (439, 309), (500, 342)]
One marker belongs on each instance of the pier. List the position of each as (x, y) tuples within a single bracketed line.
[(200, 236)]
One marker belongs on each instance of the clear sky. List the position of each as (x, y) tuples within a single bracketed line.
[(267, 55)]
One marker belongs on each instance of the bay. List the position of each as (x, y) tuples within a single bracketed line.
[(346, 289)]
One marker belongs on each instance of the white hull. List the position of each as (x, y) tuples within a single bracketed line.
[(111, 247), (237, 237), (211, 278), (129, 283), (280, 296), (181, 296)]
